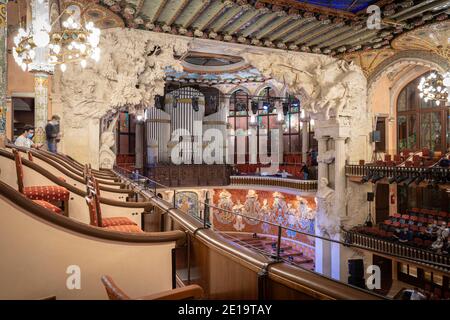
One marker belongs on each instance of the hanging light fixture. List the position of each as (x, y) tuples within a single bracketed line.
[(432, 88), (74, 43)]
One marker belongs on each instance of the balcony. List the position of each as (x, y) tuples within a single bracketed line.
[(277, 182), (397, 249)]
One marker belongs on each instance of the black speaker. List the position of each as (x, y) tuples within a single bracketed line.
[(285, 108), (356, 268), (357, 282), (255, 106), (195, 104), (370, 196), (158, 102)]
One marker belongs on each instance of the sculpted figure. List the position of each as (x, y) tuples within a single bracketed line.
[(225, 203), (251, 206), (106, 156), (327, 223)]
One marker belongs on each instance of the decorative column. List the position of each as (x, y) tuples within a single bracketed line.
[(321, 149), (41, 69), (139, 147), (305, 140), (339, 203), (40, 106), (3, 70)]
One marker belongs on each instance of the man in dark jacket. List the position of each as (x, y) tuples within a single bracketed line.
[(52, 133)]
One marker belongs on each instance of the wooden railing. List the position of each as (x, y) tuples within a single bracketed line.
[(398, 249), (302, 185)]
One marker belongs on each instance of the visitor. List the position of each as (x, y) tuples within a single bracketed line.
[(313, 154), (52, 133), (305, 171), (25, 139)]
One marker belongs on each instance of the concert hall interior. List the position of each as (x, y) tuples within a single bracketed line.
[(224, 150)]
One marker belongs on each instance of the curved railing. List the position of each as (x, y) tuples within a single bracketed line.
[(298, 185), (273, 268)]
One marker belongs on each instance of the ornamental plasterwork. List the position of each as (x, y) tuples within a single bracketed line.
[(99, 15), (433, 38), (130, 73), (369, 60)]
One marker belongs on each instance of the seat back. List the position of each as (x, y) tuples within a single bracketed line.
[(19, 169), (30, 156), (93, 204), (112, 290)]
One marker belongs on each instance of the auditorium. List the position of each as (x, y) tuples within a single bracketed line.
[(224, 150)]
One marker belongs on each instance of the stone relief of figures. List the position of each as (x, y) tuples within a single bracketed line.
[(295, 214), (106, 155), (327, 224)]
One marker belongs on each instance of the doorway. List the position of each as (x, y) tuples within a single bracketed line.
[(23, 114), (385, 266)]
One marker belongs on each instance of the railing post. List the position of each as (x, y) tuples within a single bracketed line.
[(279, 242), (174, 200)]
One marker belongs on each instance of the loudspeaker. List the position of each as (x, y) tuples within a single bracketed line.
[(158, 102), (285, 108), (370, 196), (255, 106), (356, 268), (376, 136), (195, 104)]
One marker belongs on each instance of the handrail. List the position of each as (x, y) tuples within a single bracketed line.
[(257, 261), (71, 188), (59, 220), (73, 175), (280, 227)]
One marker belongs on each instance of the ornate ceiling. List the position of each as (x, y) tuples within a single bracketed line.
[(319, 26)]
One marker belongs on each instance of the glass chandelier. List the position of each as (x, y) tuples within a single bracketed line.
[(73, 43), (433, 88)]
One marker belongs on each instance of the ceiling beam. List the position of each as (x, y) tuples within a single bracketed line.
[(180, 9), (162, 4), (211, 14), (273, 26), (244, 19), (289, 28), (355, 39), (303, 30), (311, 35), (261, 22), (225, 18), (329, 35), (196, 13)]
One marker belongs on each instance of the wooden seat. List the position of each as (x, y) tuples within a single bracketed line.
[(184, 293), (46, 193)]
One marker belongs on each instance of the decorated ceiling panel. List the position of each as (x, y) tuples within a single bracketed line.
[(320, 26)]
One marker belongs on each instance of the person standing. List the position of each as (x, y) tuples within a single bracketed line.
[(52, 133), (24, 140)]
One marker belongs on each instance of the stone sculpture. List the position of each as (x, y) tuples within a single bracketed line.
[(327, 223), (106, 156)]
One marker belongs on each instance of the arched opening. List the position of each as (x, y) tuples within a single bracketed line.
[(420, 124)]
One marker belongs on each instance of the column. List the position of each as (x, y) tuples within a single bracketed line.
[(305, 141), (322, 247), (3, 70), (40, 106), (321, 149), (339, 204), (139, 152)]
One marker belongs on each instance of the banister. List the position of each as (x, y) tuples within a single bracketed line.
[(9, 194)]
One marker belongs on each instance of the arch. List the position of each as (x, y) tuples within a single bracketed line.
[(264, 86), (420, 58), (237, 88)]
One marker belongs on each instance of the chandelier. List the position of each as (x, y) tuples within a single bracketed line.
[(74, 43), (433, 88)]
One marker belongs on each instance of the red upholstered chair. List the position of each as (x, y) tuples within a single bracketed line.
[(192, 291), (46, 193), (48, 205), (122, 224)]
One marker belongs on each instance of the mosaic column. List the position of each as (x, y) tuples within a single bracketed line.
[(305, 140), (139, 146), (40, 106), (3, 75)]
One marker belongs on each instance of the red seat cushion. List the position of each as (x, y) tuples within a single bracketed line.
[(126, 228), (117, 221), (47, 193), (48, 205)]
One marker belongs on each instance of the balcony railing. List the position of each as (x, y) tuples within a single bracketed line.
[(302, 185), (398, 249), (427, 173)]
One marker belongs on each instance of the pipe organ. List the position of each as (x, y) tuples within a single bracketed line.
[(178, 130)]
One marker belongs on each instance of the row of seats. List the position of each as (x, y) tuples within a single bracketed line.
[(423, 159)]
